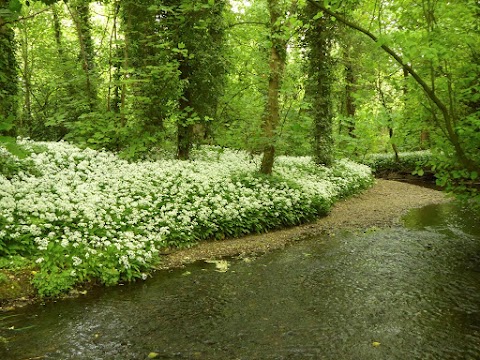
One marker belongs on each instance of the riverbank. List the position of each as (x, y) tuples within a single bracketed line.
[(380, 206)]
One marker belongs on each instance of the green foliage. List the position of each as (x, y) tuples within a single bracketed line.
[(415, 163), (52, 283), (13, 160), (130, 81), (14, 262), (464, 184), (8, 74), (3, 278)]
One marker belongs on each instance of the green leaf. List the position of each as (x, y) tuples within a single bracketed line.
[(15, 6), (474, 175), (5, 126), (318, 15)]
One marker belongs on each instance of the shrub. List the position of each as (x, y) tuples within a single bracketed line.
[(415, 162)]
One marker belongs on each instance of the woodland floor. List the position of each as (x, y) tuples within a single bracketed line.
[(380, 206)]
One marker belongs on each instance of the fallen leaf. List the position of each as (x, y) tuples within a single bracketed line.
[(376, 344), (220, 265), (153, 355)]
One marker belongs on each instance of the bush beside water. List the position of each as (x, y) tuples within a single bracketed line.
[(83, 214), (414, 163)]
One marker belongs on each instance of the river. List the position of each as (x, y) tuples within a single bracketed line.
[(410, 292)]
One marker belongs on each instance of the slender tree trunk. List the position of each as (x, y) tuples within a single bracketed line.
[(184, 125), (8, 71), (57, 27), (272, 108), (349, 91), (81, 18), (69, 88), (113, 66), (25, 122), (390, 122)]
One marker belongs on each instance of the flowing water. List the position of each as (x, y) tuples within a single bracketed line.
[(410, 292)]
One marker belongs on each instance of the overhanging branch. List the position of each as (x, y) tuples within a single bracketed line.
[(448, 118), (23, 18)]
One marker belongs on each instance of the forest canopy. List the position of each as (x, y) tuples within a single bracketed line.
[(331, 79)]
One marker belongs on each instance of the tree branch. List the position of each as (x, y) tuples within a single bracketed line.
[(23, 18), (448, 118), (391, 52), (247, 23)]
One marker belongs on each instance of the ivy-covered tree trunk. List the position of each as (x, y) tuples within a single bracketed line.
[(184, 124), (350, 87), (70, 92), (277, 68), (198, 30), (319, 87), (214, 74), (81, 18), (24, 122), (144, 37), (8, 72)]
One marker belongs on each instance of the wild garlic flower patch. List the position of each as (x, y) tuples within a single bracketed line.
[(406, 162), (91, 215)]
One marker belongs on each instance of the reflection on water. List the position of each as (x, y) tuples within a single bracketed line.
[(402, 293)]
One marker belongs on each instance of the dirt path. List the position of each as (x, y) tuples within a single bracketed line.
[(380, 206)]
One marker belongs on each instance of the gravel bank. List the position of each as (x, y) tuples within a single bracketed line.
[(381, 206)]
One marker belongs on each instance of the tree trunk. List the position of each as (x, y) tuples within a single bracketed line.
[(115, 65), (145, 31), (184, 124), (25, 121), (319, 40), (69, 88), (81, 19), (349, 91), (8, 72), (390, 122), (272, 108)]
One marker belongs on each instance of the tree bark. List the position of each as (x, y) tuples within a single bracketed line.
[(272, 107), (184, 125), (349, 91), (390, 123), (25, 121), (8, 71), (319, 39), (81, 19)]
